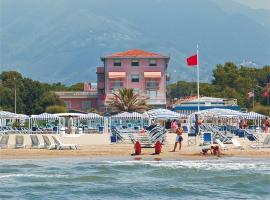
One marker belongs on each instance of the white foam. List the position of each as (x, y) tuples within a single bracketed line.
[(203, 164), (32, 175)]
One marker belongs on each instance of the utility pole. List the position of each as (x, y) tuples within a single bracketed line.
[(15, 96), (268, 91)]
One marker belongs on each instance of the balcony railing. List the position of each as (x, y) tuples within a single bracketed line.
[(76, 94), (152, 85)]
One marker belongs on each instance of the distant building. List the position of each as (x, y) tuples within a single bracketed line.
[(190, 105), (81, 101), (143, 71)]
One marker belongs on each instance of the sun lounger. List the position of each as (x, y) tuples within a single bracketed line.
[(47, 143), (61, 145), (4, 141), (222, 145), (236, 144), (19, 139), (265, 144), (35, 142)]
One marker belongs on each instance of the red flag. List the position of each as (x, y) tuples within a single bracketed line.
[(192, 60), (265, 94)]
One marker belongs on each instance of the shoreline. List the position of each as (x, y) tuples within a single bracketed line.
[(126, 151)]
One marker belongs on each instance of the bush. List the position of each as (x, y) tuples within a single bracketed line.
[(56, 109)]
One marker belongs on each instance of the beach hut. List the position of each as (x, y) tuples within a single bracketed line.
[(256, 118), (45, 120), (130, 120), (92, 122), (7, 118)]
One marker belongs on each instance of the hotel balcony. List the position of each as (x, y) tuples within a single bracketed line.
[(152, 85), (77, 94)]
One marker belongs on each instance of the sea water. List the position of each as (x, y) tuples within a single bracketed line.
[(85, 178)]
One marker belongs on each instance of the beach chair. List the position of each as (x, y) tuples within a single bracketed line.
[(35, 142), (207, 138), (61, 145), (265, 144), (19, 141), (237, 144), (47, 143), (4, 141), (222, 145)]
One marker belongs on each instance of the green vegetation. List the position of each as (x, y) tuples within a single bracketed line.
[(126, 100), (56, 109), (230, 81), (33, 97)]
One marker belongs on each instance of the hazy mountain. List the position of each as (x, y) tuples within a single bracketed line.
[(63, 40)]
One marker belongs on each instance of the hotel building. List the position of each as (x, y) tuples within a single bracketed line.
[(143, 71)]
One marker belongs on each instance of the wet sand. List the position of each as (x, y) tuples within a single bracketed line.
[(127, 150)]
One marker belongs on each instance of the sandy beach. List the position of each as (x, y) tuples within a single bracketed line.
[(127, 150)]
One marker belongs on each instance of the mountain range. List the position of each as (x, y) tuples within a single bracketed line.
[(62, 41)]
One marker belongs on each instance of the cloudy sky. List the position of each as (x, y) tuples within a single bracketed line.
[(258, 4)]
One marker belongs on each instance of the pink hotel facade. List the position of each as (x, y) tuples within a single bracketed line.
[(143, 71)]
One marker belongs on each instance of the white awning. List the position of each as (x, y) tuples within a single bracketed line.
[(91, 116), (254, 115), (44, 116), (10, 115), (117, 74), (164, 114), (152, 74), (127, 115)]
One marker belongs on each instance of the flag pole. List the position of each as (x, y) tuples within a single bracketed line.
[(198, 79), (253, 99)]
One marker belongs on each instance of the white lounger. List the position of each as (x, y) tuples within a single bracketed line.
[(237, 144), (221, 144), (265, 144), (61, 145)]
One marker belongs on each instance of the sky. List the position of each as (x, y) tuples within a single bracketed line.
[(256, 4)]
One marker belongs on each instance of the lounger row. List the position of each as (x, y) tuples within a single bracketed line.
[(48, 142)]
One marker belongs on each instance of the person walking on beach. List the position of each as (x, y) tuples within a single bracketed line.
[(266, 125), (179, 138)]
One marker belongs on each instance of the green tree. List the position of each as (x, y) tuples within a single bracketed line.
[(56, 109), (126, 100), (50, 99), (76, 87)]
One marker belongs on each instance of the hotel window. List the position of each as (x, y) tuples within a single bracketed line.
[(135, 78), (152, 63), (135, 63), (86, 105), (117, 63)]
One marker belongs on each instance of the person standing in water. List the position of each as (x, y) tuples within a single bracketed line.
[(179, 138)]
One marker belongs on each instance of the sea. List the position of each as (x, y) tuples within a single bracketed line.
[(129, 178)]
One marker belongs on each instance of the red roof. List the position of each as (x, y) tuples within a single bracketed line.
[(135, 53)]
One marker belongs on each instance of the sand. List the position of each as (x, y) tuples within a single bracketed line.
[(126, 150)]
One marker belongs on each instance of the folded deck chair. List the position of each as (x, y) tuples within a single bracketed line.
[(222, 145), (4, 141), (19, 139), (237, 144), (35, 142), (47, 143), (265, 144), (61, 145)]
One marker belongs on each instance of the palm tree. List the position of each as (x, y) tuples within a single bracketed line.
[(126, 100)]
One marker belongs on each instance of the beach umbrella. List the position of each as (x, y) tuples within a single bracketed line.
[(164, 114)]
